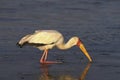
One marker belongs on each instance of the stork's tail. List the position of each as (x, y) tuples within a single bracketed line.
[(23, 41), (19, 45)]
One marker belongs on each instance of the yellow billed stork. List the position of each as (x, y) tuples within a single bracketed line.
[(47, 39)]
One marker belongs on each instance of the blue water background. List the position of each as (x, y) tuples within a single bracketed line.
[(96, 22)]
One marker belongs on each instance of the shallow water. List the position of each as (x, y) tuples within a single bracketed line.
[(96, 22)]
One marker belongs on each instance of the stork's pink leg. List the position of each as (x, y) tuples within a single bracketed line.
[(44, 58)]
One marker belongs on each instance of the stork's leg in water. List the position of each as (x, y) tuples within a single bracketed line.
[(44, 58)]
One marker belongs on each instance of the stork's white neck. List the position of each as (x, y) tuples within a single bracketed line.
[(72, 42)]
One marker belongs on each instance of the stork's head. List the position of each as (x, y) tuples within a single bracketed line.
[(82, 47)]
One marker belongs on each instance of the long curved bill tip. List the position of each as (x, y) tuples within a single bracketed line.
[(82, 47)]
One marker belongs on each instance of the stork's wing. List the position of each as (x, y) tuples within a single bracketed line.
[(45, 37)]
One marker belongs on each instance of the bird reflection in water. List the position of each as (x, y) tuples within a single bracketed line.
[(46, 76)]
